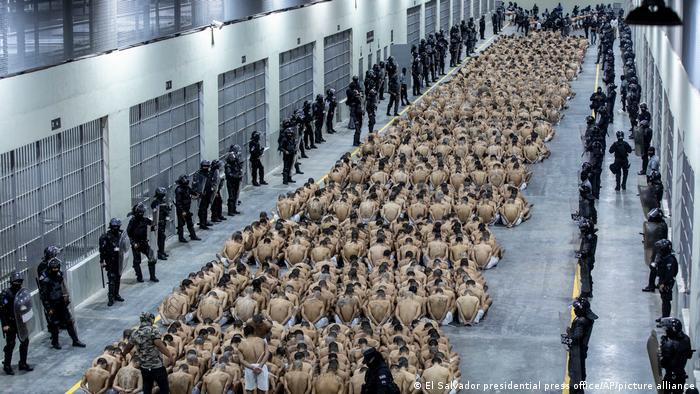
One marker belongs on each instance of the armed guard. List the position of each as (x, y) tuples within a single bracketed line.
[(656, 188), (112, 250), (394, 94), (391, 67), (381, 80), (203, 187), (425, 62), (216, 179), (332, 104), (455, 43), (50, 252), (666, 270), (307, 120), (598, 99), (137, 230), (586, 256), (442, 46), (645, 134), (621, 149), (233, 170), (255, 152), (586, 204), (356, 109), (371, 108), (416, 72), (353, 89), (378, 378), (183, 203), (15, 316), (576, 338), (655, 229), (431, 51), (597, 155), (160, 207), (482, 27), (674, 352), (288, 146), (319, 109), (55, 298)]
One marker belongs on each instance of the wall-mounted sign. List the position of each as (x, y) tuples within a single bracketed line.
[(370, 36)]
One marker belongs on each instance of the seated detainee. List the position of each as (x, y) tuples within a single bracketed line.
[(96, 379), (129, 379)]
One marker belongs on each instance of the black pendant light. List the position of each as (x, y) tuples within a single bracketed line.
[(653, 13)]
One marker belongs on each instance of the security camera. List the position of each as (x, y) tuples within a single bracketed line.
[(216, 24)]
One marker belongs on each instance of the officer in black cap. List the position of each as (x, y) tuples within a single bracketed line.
[(255, 150), (675, 351), (137, 230), (110, 253), (378, 378), (161, 213), (55, 298), (11, 327), (621, 149), (183, 203), (666, 270)]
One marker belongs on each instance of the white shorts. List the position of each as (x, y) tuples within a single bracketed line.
[(260, 381)]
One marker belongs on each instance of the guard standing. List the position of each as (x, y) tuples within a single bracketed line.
[(576, 338), (371, 108), (655, 229), (356, 109), (15, 307), (233, 169), (183, 204), (110, 251), (621, 149), (288, 146), (394, 91), (442, 45), (308, 118), (149, 347), (666, 269), (216, 177), (416, 74), (656, 187), (675, 351), (586, 256), (319, 114), (161, 214), (137, 230), (255, 151), (404, 87), (332, 104), (482, 26), (55, 298), (202, 185), (647, 134), (381, 78)]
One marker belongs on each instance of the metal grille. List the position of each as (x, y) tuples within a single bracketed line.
[(337, 55), (685, 245), (51, 193), (242, 107), (456, 12), (296, 78), (492, 5), (468, 9), (445, 16), (658, 109), (430, 17), (483, 7), (43, 33), (668, 162), (164, 141), (475, 9), (413, 25)]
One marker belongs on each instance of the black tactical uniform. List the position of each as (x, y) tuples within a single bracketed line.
[(577, 338), (9, 326), (647, 135), (183, 203), (666, 269), (621, 149), (233, 169), (655, 229), (162, 207), (319, 109), (586, 204), (288, 146), (55, 298), (431, 51), (255, 152), (442, 46), (308, 118), (356, 109), (482, 26), (216, 180), (201, 183), (332, 104), (137, 230), (455, 43), (371, 108), (394, 92), (109, 259), (391, 67), (586, 256), (378, 378), (50, 253), (416, 74), (381, 78), (656, 187), (675, 351)]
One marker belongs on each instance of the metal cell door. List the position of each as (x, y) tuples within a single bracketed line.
[(296, 78), (456, 12), (430, 17), (337, 54), (242, 107), (413, 25), (445, 15)]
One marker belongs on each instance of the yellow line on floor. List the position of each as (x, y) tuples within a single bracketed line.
[(576, 290)]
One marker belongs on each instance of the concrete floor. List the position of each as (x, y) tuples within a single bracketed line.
[(532, 286)]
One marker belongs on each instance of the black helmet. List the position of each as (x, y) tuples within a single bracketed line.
[(204, 164), (584, 189), (54, 264), (255, 136), (655, 215), (16, 277), (115, 224), (370, 356), (330, 92), (319, 97), (183, 180), (585, 226), (381, 64), (215, 163), (355, 78), (139, 209), (235, 149), (51, 252), (664, 246), (643, 105), (579, 308), (620, 134), (651, 151), (672, 325), (161, 192), (286, 123), (590, 119), (655, 176)]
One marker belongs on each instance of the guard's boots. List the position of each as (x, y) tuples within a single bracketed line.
[(194, 237), (74, 335), (162, 256), (152, 273), (8, 369), (181, 235), (139, 275), (25, 367), (54, 340), (117, 297), (297, 167), (110, 294)]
